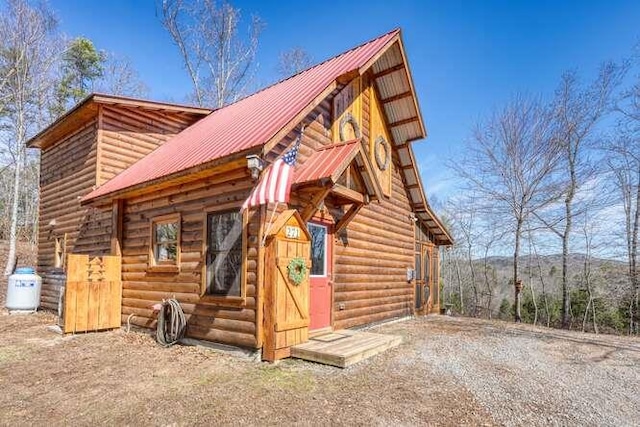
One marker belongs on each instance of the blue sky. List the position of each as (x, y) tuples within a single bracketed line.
[(467, 57)]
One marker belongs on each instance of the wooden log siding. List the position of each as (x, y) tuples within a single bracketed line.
[(215, 321), (371, 261), (67, 172), (112, 141), (374, 252), (372, 255), (129, 134)]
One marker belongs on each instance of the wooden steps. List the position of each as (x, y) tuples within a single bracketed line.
[(344, 348)]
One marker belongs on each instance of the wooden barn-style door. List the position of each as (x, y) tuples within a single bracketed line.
[(426, 292), (93, 294), (286, 301)]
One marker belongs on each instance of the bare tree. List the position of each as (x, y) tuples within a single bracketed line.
[(460, 288), (466, 228), (27, 55), (218, 59), (7, 73), (447, 272), (119, 77), (587, 274), (530, 269), (447, 268), (545, 298), (577, 111), (462, 223), (489, 275), (452, 259), (509, 165), (293, 61), (624, 163), (491, 233)]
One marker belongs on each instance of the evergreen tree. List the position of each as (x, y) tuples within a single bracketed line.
[(82, 66)]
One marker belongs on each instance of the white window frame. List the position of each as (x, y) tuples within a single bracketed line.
[(326, 248)]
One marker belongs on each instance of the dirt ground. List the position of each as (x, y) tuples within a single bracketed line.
[(448, 371)]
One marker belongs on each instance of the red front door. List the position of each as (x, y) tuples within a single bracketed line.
[(320, 276)]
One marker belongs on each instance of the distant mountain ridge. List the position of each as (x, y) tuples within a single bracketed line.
[(608, 277), (550, 259)]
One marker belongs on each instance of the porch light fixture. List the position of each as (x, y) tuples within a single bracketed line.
[(255, 165)]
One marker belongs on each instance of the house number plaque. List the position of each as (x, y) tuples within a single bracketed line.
[(292, 232)]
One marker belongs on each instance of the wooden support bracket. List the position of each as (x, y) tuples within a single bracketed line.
[(348, 193), (312, 207), (347, 217)]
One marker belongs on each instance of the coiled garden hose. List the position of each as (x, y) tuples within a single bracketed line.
[(172, 323)]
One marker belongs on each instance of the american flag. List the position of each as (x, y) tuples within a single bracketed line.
[(275, 185)]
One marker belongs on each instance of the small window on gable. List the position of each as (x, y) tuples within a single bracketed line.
[(165, 241), (225, 252), (352, 180)]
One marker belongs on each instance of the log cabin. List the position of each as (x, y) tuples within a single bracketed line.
[(161, 186)]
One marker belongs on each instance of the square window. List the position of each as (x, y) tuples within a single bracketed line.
[(318, 249), (165, 241), (225, 252)]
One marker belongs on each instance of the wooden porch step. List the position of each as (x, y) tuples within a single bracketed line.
[(344, 348)]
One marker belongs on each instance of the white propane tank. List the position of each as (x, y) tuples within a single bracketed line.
[(23, 290)]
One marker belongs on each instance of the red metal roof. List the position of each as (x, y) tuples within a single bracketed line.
[(331, 162), (248, 123), (324, 163)]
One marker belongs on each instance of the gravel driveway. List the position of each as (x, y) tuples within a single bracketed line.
[(448, 371), (534, 376)]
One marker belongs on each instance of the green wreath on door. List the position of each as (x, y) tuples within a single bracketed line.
[(297, 270)]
